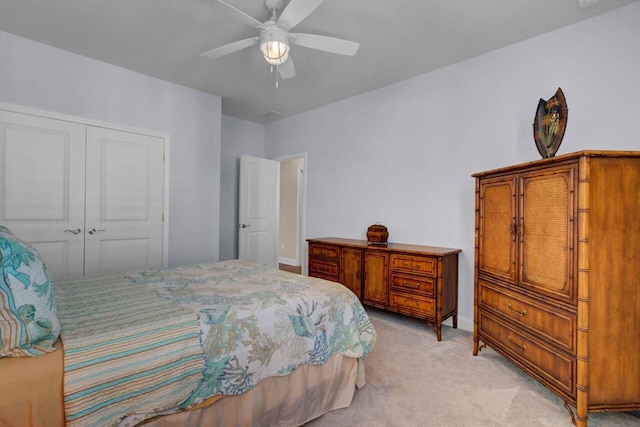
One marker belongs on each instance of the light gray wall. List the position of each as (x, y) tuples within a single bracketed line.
[(238, 137), (38, 76), (403, 155)]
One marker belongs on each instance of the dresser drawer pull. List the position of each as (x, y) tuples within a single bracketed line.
[(417, 302), (519, 313), (415, 286), (521, 347)]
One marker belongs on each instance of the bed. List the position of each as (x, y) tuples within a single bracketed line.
[(226, 343)]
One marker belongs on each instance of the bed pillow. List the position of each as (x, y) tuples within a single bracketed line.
[(28, 322)]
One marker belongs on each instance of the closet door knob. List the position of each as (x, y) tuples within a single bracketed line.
[(94, 231), (76, 231)]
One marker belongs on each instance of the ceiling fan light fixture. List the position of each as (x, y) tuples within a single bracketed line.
[(274, 48)]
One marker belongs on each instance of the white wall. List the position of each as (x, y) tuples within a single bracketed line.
[(238, 137), (38, 76), (403, 155)]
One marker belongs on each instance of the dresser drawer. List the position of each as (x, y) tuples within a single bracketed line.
[(423, 306), (552, 324), (421, 285), (552, 367), (413, 264), (324, 270), (331, 253)]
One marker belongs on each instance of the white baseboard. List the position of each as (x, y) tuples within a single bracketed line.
[(289, 261), (465, 323)]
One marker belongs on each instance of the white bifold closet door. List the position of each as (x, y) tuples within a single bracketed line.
[(90, 199), (123, 201), (42, 166)]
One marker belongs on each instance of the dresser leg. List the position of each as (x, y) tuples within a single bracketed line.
[(573, 418), (437, 328), (477, 347), (455, 321)]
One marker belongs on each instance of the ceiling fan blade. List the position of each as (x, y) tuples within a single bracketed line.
[(230, 48), (287, 70), (296, 11), (325, 43), (238, 14)]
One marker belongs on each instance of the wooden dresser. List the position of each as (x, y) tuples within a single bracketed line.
[(557, 275), (419, 281)]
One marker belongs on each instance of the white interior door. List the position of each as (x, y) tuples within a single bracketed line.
[(42, 166), (124, 201), (258, 210)]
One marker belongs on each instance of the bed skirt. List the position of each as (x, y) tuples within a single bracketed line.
[(31, 396), (292, 400), (31, 393)]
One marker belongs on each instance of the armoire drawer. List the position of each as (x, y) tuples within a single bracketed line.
[(331, 253), (552, 324), (423, 306), (420, 285), (414, 264), (324, 270), (552, 367)]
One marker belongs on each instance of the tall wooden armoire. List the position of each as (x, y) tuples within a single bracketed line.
[(557, 275)]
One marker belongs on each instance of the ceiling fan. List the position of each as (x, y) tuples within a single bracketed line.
[(274, 38)]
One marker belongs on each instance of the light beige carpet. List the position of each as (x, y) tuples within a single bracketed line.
[(414, 380)]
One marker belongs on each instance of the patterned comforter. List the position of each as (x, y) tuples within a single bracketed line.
[(254, 322), (257, 322)]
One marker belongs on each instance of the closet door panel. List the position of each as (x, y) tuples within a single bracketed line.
[(124, 201), (42, 166)]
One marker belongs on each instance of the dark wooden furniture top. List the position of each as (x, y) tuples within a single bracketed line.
[(559, 159), (389, 247)]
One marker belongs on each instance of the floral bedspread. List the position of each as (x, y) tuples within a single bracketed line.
[(257, 321)]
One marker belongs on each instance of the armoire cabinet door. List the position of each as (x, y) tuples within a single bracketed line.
[(546, 230), (376, 277), (124, 201), (350, 269), (42, 169), (497, 227)]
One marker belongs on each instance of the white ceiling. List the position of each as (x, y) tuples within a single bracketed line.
[(398, 39)]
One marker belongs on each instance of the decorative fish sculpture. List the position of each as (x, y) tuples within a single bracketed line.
[(549, 124)]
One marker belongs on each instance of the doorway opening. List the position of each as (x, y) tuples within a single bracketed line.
[(291, 247)]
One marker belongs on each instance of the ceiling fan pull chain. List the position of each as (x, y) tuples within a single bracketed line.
[(276, 75)]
